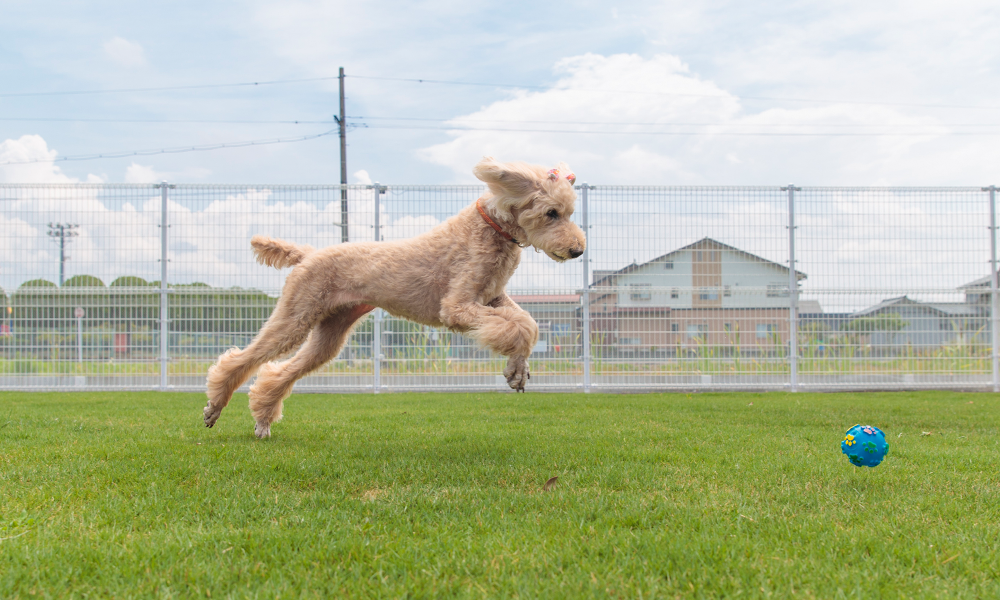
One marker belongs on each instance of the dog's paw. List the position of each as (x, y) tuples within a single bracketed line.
[(517, 373), (262, 430), (211, 415)]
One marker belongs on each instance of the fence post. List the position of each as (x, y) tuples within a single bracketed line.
[(585, 294), (164, 305), (994, 284), (377, 315), (793, 294)]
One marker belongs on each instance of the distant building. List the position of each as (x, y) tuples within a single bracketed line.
[(706, 293), (558, 318), (903, 322), (978, 291)]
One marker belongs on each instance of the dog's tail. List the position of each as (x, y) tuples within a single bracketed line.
[(278, 253)]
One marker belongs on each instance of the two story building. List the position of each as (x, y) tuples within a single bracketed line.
[(704, 294)]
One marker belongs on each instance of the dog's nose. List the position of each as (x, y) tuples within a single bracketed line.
[(576, 253)]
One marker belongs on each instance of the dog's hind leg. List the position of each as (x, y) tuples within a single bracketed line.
[(284, 330), (275, 380)]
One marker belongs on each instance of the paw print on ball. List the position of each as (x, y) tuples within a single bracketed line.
[(864, 445)]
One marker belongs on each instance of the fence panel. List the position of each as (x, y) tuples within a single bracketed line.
[(79, 266), (898, 287), (220, 296), (686, 288), (689, 287)]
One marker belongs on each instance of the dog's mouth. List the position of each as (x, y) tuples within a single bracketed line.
[(569, 254)]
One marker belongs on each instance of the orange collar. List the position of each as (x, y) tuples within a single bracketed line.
[(492, 224)]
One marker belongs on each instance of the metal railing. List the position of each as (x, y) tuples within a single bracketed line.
[(778, 287)]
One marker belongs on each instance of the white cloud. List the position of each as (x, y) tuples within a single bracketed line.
[(125, 53), (33, 162), (136, 173), (362, 178), (628, 120)]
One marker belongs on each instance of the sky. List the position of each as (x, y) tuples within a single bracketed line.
[(833, 93), (843, 93)]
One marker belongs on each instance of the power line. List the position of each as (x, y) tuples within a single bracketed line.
[(460, 120), (493, 85), (202, 121), (167, 88), (174, 150), (691, 133), (648, 93)]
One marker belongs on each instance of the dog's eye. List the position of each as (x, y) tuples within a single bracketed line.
[(552, 214)]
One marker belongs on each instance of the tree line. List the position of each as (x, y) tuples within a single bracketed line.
[(131, 302)]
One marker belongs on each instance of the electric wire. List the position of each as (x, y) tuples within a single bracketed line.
[(649, 93), (461, 121), (248, 84), (173, 150), (460, 125), (166, 88), (692, 133), (201, 121)]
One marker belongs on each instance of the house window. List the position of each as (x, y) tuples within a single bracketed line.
[(709, 294), (696, 332), (674, 327), (777, 290), (727, 291), (668, 265), (675, 293), (728, 327), (640, 291), (765, 330)]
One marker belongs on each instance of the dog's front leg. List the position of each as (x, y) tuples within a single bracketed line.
[(518, 370), (508, 330)]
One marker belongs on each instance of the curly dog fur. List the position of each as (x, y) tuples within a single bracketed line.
[(452, 276)]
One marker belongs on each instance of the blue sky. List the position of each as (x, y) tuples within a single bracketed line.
[(670, 93)]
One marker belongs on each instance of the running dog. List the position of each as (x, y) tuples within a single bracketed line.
[(452, 276)]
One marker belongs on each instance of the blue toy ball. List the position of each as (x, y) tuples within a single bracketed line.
[(865, 446)]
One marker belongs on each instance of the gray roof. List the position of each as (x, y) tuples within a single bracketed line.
[(946, 309), (981, 282), (600, 274)]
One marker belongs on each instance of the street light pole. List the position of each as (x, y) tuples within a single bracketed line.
[(62, 231), (342, 121)]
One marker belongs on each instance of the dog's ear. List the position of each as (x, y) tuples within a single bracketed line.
[(514, 179)]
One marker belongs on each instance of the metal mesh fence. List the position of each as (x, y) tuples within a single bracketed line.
[(902, 277), (680, 288)]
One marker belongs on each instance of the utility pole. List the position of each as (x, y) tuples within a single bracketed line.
[(62, 231), (344, 237)]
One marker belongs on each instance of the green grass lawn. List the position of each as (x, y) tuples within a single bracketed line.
[(426, 495)]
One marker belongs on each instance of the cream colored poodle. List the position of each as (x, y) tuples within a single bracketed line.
[(452, 276)]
